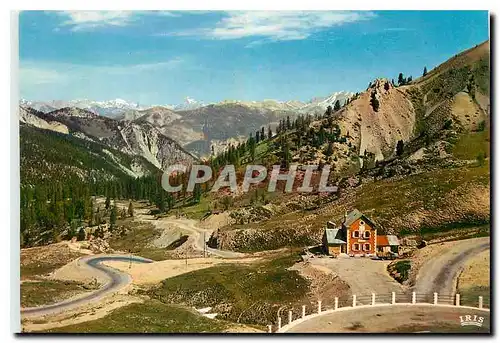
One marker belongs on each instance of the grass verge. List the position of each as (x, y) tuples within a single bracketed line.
[(45, 259), (400, 270), (48, 292), (136, 239), (148, 317)]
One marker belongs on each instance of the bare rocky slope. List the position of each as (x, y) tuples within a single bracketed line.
[(222, 121), (132, 138)]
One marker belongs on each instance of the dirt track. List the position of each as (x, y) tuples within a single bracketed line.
[(173, 227)]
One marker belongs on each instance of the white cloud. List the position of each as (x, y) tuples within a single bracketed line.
[(85, 20), (40, 76), (34, 73), (276, 25)]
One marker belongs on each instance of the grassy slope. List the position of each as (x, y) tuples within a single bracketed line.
[(136, 239), (430, 198), (475, 280), (240, 293), (49, 155), (48, 292), (469, 145), (148, 317), (45, 259), (428, 191), (420, 197)]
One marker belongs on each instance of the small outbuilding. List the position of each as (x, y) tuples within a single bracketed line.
[(388, 243), (334, 242)]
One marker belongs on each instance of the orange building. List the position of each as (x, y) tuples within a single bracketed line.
[(357, 235)]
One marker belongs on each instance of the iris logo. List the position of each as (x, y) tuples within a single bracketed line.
[(471, 320)]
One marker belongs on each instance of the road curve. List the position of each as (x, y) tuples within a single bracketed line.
[(116, 281), (200, 237), (440, 274), (387, 318)]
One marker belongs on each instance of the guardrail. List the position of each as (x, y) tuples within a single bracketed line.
[(363, 301)]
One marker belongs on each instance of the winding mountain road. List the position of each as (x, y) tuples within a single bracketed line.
[(199, 236), (439, 274), (116, 281)]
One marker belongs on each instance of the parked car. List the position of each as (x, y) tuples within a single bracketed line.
[(387, 255)]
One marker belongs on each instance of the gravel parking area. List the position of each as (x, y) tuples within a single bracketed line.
[(364, 275)]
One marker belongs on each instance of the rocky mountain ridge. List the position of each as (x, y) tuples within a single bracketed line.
[(133, 138)]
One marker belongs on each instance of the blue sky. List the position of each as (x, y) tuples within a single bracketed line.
[(161, 57)]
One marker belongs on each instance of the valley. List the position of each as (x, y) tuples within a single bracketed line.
[(412, 156)]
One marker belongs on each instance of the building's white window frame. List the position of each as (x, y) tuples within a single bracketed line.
[(355, 233), (354, 246), (365, 246), (367, 234)]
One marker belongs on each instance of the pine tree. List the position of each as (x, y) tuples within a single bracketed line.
[(262, 133), (81, 234), (92, 213), (107, 203), (329, 150), (130, 209), (401, 79), (425, 71), (160, 200), (336, 107), (399, 148), (197, 193), (112, 217), (329, 111), (374, 101), (269, 132)]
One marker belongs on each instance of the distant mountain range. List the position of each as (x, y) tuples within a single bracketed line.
[(111, 108), (117, 108), (191, 122)]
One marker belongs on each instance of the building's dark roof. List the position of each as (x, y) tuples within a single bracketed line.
[(355, 215), (333, 236)]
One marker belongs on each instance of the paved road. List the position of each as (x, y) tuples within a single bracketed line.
[(200, 237), (398, 318), (116, 281), (440, 273)]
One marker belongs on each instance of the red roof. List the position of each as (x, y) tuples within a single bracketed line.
[(388, 240), (382, 240)]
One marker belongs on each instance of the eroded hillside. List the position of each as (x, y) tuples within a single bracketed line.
[(415, 160)]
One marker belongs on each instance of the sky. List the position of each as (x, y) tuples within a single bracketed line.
[(162, 57)]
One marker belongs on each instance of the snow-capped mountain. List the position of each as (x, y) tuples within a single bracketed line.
[(313, 106), (110, 108), (320, 104), (117, 108), (268, 104), (188, 104)]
